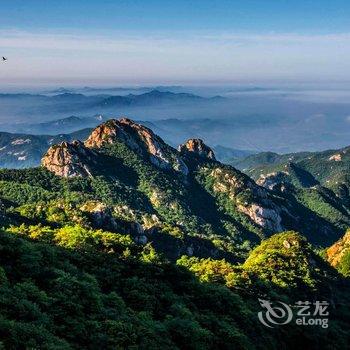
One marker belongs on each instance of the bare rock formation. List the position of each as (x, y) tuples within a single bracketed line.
[(69, 159), (140, 139), (197, 146)]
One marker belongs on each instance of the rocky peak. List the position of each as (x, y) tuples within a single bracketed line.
[(140, 139), (197, 146), (103, 134), (69, 159)]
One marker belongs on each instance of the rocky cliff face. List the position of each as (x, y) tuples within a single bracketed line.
[(267, 218), (140, 139), (338, 249), (69, 159), (197, 146), (250, 199), (273, 180)]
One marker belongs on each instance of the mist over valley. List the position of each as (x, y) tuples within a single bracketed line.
[(240, 117)]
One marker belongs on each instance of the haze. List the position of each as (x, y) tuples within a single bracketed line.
[(282, 67), (99, 42)]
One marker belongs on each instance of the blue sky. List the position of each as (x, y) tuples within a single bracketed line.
[(174, 41), (266, 15)]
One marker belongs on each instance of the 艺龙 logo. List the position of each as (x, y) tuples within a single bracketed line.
[(274, 315), (306, 313)]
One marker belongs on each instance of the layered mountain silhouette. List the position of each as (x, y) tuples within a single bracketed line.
[(71, 102), (188, 183)]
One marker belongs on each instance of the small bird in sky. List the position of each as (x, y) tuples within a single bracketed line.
[(4, 59)]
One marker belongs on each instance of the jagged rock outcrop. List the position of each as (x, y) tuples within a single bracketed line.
[(272, 180), (338, 249), (69, 159), (249, 198), (267, 218), (140, 139), (232, 182), (197, 146)]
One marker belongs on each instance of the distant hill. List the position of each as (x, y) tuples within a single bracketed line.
[(150, 98), (25, 150), (264, 159), (36, 108), (330, 168), (113, 90), (106, 100), (59, 126), (227, 154), (319, 180)]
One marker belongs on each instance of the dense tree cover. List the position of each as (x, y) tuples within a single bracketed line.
[(329, 169), (183, 207), (139, 258), (69, 288), (77, 238), (285, 263), (188, 206), (321, 216), (326, 169), (326, 205), (288, 261)]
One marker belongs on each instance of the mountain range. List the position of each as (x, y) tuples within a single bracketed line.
[(250, 121), (122, 240), (255, 210), (329, 169), (58, 126), (24, 104), (26, 147)]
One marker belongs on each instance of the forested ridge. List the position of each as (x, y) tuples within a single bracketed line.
[(126, 243)]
